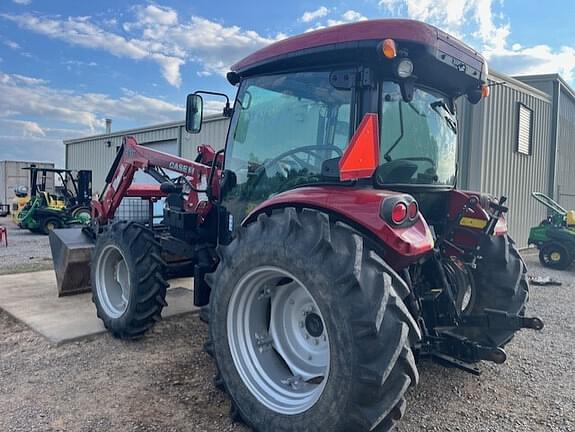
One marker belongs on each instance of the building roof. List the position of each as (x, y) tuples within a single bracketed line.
[(120, 133), (550, 77)]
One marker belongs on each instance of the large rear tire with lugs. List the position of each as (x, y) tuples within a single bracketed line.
[(308, 327), (128, 286), (499, 282)]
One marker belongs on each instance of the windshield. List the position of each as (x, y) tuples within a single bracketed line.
[(284, 128), (418, 139)]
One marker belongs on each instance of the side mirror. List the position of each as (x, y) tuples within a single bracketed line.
[(194, 113)]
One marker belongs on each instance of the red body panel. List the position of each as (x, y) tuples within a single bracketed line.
[(466, 237), (362, 206), (148, 191), (398, 29)]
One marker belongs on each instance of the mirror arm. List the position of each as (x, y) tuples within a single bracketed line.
[(228, 111)]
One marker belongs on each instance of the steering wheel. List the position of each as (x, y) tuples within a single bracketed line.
[(310, 150)]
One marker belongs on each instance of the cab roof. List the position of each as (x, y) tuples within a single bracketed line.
[(443, 46)]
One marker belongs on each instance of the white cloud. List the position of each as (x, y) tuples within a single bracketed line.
[(157, 34), (11, 44), (347, 17), (22, 127), (315, 14), (22, 2), (28, 98)]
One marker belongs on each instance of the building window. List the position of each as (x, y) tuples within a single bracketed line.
[(524, 130)]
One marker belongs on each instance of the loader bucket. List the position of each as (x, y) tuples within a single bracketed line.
[(71, 253)]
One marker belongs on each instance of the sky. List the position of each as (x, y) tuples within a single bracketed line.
[(66, 65)]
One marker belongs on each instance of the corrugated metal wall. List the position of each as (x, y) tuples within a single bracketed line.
[(565, 171), (213, 132), (94, 153), (12, 175), (489, 158)]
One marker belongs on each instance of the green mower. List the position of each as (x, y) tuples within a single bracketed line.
[(554, 236), (70, 206)]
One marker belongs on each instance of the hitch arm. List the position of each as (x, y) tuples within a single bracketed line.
[(497, 319)]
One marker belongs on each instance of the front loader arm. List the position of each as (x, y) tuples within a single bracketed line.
[(132, 157)]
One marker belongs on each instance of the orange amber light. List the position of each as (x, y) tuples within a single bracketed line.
[(389, 49), (485, 90)]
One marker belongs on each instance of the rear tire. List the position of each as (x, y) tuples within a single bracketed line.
[(128, 286), (500, 282), (349, 289), (555, 256)]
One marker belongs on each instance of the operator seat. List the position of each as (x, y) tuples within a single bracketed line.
[(570, 218)]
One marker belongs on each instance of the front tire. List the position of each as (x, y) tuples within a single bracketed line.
[(555, 256), (128, 287), (50, 224), (352, 370)]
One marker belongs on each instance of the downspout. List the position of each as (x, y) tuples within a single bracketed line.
[(554, 138)]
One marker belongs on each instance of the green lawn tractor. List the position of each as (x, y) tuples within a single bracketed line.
[(68, 206), (555, 236)]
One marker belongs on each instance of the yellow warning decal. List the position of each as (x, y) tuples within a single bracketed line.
[(473, 222)]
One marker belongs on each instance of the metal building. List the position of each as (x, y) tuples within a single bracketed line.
[(12, 175), (516, 141), (493, 158), (97, 153), (562, 178)]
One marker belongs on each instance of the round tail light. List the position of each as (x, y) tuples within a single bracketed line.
[(399, 213)]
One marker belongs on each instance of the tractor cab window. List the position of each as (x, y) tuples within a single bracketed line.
[(285, 127), (418, 139)]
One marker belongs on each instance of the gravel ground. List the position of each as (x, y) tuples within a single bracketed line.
[(25, 252), (164, 382)]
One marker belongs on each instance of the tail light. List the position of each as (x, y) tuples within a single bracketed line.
[(399, 213), (399, 210), (412, 210)]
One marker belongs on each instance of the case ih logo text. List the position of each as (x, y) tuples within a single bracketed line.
[(180, 167)]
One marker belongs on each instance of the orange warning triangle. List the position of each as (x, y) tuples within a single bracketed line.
[(361, 157)]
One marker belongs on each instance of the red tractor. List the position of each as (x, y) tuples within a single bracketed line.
[(328, 240)]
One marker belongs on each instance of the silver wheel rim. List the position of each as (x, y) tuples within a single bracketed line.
[(113, 281), (278, 340)]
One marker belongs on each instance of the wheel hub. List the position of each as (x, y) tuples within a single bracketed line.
[(278, 340), (112, 281), (314, 325)]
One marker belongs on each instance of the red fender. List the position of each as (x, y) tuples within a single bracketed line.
[(360, 207)]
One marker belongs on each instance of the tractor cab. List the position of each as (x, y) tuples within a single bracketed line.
[(301, 102)]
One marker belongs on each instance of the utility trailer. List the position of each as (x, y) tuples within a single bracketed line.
[(328, 242)]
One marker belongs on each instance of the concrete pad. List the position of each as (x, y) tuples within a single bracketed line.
[(32, 299)]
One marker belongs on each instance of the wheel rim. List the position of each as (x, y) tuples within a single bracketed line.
[(113, 281), (555, 256), (278, 340)]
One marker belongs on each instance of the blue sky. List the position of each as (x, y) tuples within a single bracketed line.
[(67, 65)]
